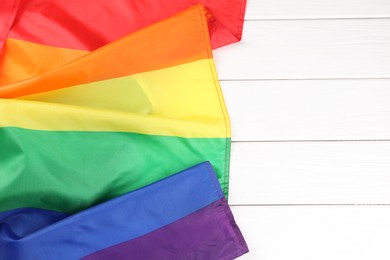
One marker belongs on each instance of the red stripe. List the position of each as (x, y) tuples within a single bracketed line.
[(8, 12), (88, 25)]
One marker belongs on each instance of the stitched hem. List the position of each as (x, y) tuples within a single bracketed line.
[(202, 13)]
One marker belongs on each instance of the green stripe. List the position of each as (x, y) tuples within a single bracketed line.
[(69, 171)]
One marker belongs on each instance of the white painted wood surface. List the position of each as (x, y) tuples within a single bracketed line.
[(308, 109), (315, 232), (295, 49), (310, 173), (314, 9), (308, 93)]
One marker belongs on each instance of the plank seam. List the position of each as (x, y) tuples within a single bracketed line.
[(314, 141), (309, 205), (317, 18), (284, 79)]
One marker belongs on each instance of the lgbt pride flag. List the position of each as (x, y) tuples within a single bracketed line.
[(91, 128)]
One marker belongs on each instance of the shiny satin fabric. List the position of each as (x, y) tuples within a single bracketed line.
[(98, 101), (87, 25), (149, 107), (40, 35), (184, 216)]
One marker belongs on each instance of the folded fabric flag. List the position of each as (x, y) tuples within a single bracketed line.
[(50, 33), (91, 130), (87, 116), (184, 216)]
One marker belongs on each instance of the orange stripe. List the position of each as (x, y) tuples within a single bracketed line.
[(177, 40), (23, 60)]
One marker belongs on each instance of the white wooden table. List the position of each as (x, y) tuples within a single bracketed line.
[(308, 93)]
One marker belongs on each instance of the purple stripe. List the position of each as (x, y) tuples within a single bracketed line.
[(209, 233)]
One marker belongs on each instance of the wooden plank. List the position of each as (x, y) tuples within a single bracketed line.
[(316, 232), (310, 173), (301, 49), (308, 9), (308, 110)]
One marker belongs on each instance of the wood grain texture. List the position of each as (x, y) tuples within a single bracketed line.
[(308, 49), (308, 109), (308, 93), (315, 9), (315, 232), (310, 173)]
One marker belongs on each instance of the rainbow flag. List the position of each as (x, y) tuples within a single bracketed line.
[(87, 123)]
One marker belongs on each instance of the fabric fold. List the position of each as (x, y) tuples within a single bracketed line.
[(78, 25), (133, 105), (47, 34), (8, 12), (101, 103), (184, 216)]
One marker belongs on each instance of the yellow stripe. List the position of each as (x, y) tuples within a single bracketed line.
[(120, 94), (183, 100), (46, 116)]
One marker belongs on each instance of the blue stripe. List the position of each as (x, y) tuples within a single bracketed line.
[(126, 217), (18, 223)]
